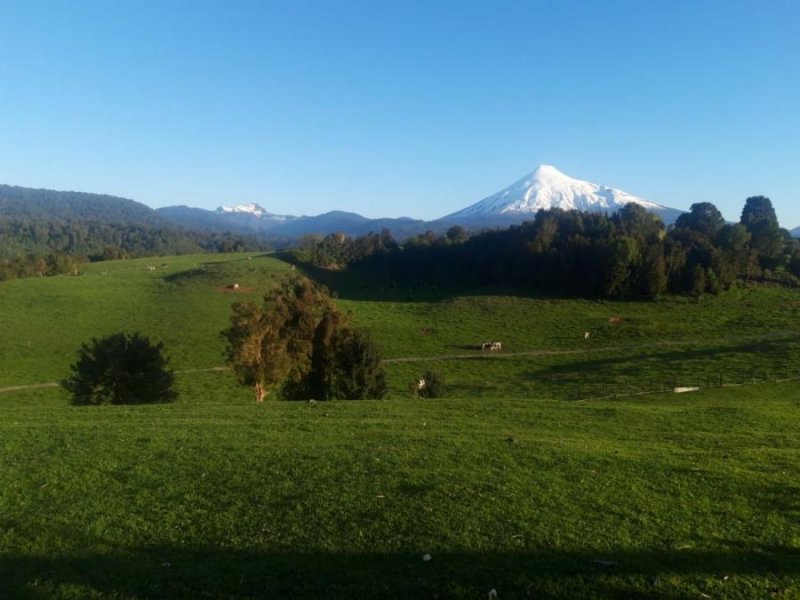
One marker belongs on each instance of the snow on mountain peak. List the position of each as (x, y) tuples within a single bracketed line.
[(252, 209), (547, 187)]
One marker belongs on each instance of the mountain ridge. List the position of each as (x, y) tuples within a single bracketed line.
[(544, 188)]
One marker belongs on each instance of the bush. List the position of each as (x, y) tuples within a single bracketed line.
[(358, 372), (121, 369), (431, 385)]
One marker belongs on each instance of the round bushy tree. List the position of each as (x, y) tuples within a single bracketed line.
[(121, 369)]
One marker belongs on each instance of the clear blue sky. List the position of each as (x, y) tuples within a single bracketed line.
[(391, 108)]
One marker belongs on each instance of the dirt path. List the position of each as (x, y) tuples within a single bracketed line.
[(51, 384), (32, 386), (478, 355)]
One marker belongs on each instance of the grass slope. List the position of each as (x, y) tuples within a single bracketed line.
[(183, 303), (213, 496), (217, 497)]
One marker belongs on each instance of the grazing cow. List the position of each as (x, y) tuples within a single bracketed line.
[(587, 335), (492, 346), (420, 384)]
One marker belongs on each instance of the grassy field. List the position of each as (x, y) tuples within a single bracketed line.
[(184, 303), (504, 485)]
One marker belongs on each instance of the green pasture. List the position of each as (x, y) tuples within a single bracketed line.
[(184, 303), (214, 496), (506, 484)]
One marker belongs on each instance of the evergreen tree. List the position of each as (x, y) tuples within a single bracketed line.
[(758, 216), (121, 369), (358, 372)]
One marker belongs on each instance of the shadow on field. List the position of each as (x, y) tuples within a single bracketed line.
[(631, 364), (207, 269), (380, 286), (210, 572)]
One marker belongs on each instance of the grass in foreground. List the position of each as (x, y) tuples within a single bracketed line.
[(216, 497)]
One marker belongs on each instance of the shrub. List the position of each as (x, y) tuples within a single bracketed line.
[(431, 385), (121, 369)]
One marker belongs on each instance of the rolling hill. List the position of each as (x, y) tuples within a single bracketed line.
[(507, 484), (20, 203)]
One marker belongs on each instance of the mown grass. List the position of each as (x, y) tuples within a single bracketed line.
[(747, 334), (214, 496), (504, 484), (183, 303)]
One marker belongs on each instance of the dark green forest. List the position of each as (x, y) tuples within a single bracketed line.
[(43, 232), (626, 255)]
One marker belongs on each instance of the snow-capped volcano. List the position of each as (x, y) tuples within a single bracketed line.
[(546, 188)]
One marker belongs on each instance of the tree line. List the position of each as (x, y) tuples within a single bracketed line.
[(626, 255), (31, 247)]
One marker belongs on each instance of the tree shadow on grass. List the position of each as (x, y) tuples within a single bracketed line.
[(207, 269), (370, 284), (633, 362), (218, 572)]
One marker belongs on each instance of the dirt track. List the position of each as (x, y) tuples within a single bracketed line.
[(498, 355), (33, 386), (488, 355)]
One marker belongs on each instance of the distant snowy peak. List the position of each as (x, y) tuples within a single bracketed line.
[(546, 188), (253, 210), (247, 209)]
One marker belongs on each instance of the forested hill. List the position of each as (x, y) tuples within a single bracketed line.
[(44, 232), (39, 204)]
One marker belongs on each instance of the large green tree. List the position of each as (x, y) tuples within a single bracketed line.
[(768, 242), (299, 342), (121, 369), (271, 342), (704, 218), (357, 372)]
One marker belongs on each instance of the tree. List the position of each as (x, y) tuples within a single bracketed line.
[(357, 369), (622, 256), (319, 382), (270, 343), (121, 369), (794, 263), (758, 216), (704, 218), (653, 272), (457, 235)]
